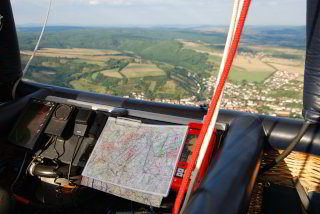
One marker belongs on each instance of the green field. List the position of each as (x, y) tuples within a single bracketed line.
[(152, 85), (90, 62), (159, 62), (215, 59), (240, 74)]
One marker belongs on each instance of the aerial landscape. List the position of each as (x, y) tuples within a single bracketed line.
[(173, 64)]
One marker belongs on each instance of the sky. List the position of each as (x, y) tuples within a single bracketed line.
[(155, 12)]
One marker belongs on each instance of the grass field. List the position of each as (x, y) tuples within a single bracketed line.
[(43, 76), (169, 87), (215, 59), (77, 75), (90, 62), (128, 87), (94, 75), (240, 74), (86, 85), (152, 85), (134, 70)]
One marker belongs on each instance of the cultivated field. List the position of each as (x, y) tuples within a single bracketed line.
[(135, 70), (289, 62), (252, 64), (43, 76), (78, 53), (279, 50), (85, 85), (111, 73), (50, 64), (251, 67), (114, 74), (169, 87), (90, 62), (152, 85), (239, 74), (288, 68)]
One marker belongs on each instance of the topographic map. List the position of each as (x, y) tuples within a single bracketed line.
[(136, 157), (140, 197)]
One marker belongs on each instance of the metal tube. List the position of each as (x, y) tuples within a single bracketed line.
[(311, 95)]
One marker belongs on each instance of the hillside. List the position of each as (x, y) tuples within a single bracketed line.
[(161, 63)]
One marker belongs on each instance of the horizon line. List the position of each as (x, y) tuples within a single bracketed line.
[(156, 25)]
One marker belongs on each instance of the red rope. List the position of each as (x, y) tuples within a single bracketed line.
[(215, 98), (21, 199)]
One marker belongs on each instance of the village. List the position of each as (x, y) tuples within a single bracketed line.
[(260, 98)]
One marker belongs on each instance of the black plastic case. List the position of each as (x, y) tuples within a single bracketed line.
[(28, 130)]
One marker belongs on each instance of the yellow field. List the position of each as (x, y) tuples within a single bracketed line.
[(288, 68), (77, 53), (283, 61), (188, 44), (200, 47), (135, 70), (109, 73), (50, 64), (47, 72), (255, 68), (251, 64), (295, 66), (282, 49), (300, 78)]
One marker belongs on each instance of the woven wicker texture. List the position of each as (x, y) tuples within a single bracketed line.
[(256, 199), (304, 166)]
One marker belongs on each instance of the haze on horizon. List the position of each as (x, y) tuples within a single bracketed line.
[(156, 12)]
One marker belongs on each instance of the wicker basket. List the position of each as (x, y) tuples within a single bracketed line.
[(301, 165), (256, 199)]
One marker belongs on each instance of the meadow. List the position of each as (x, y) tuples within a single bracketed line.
[(159, 62)]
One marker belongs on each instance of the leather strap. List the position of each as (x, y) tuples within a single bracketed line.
[(304, 199)]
